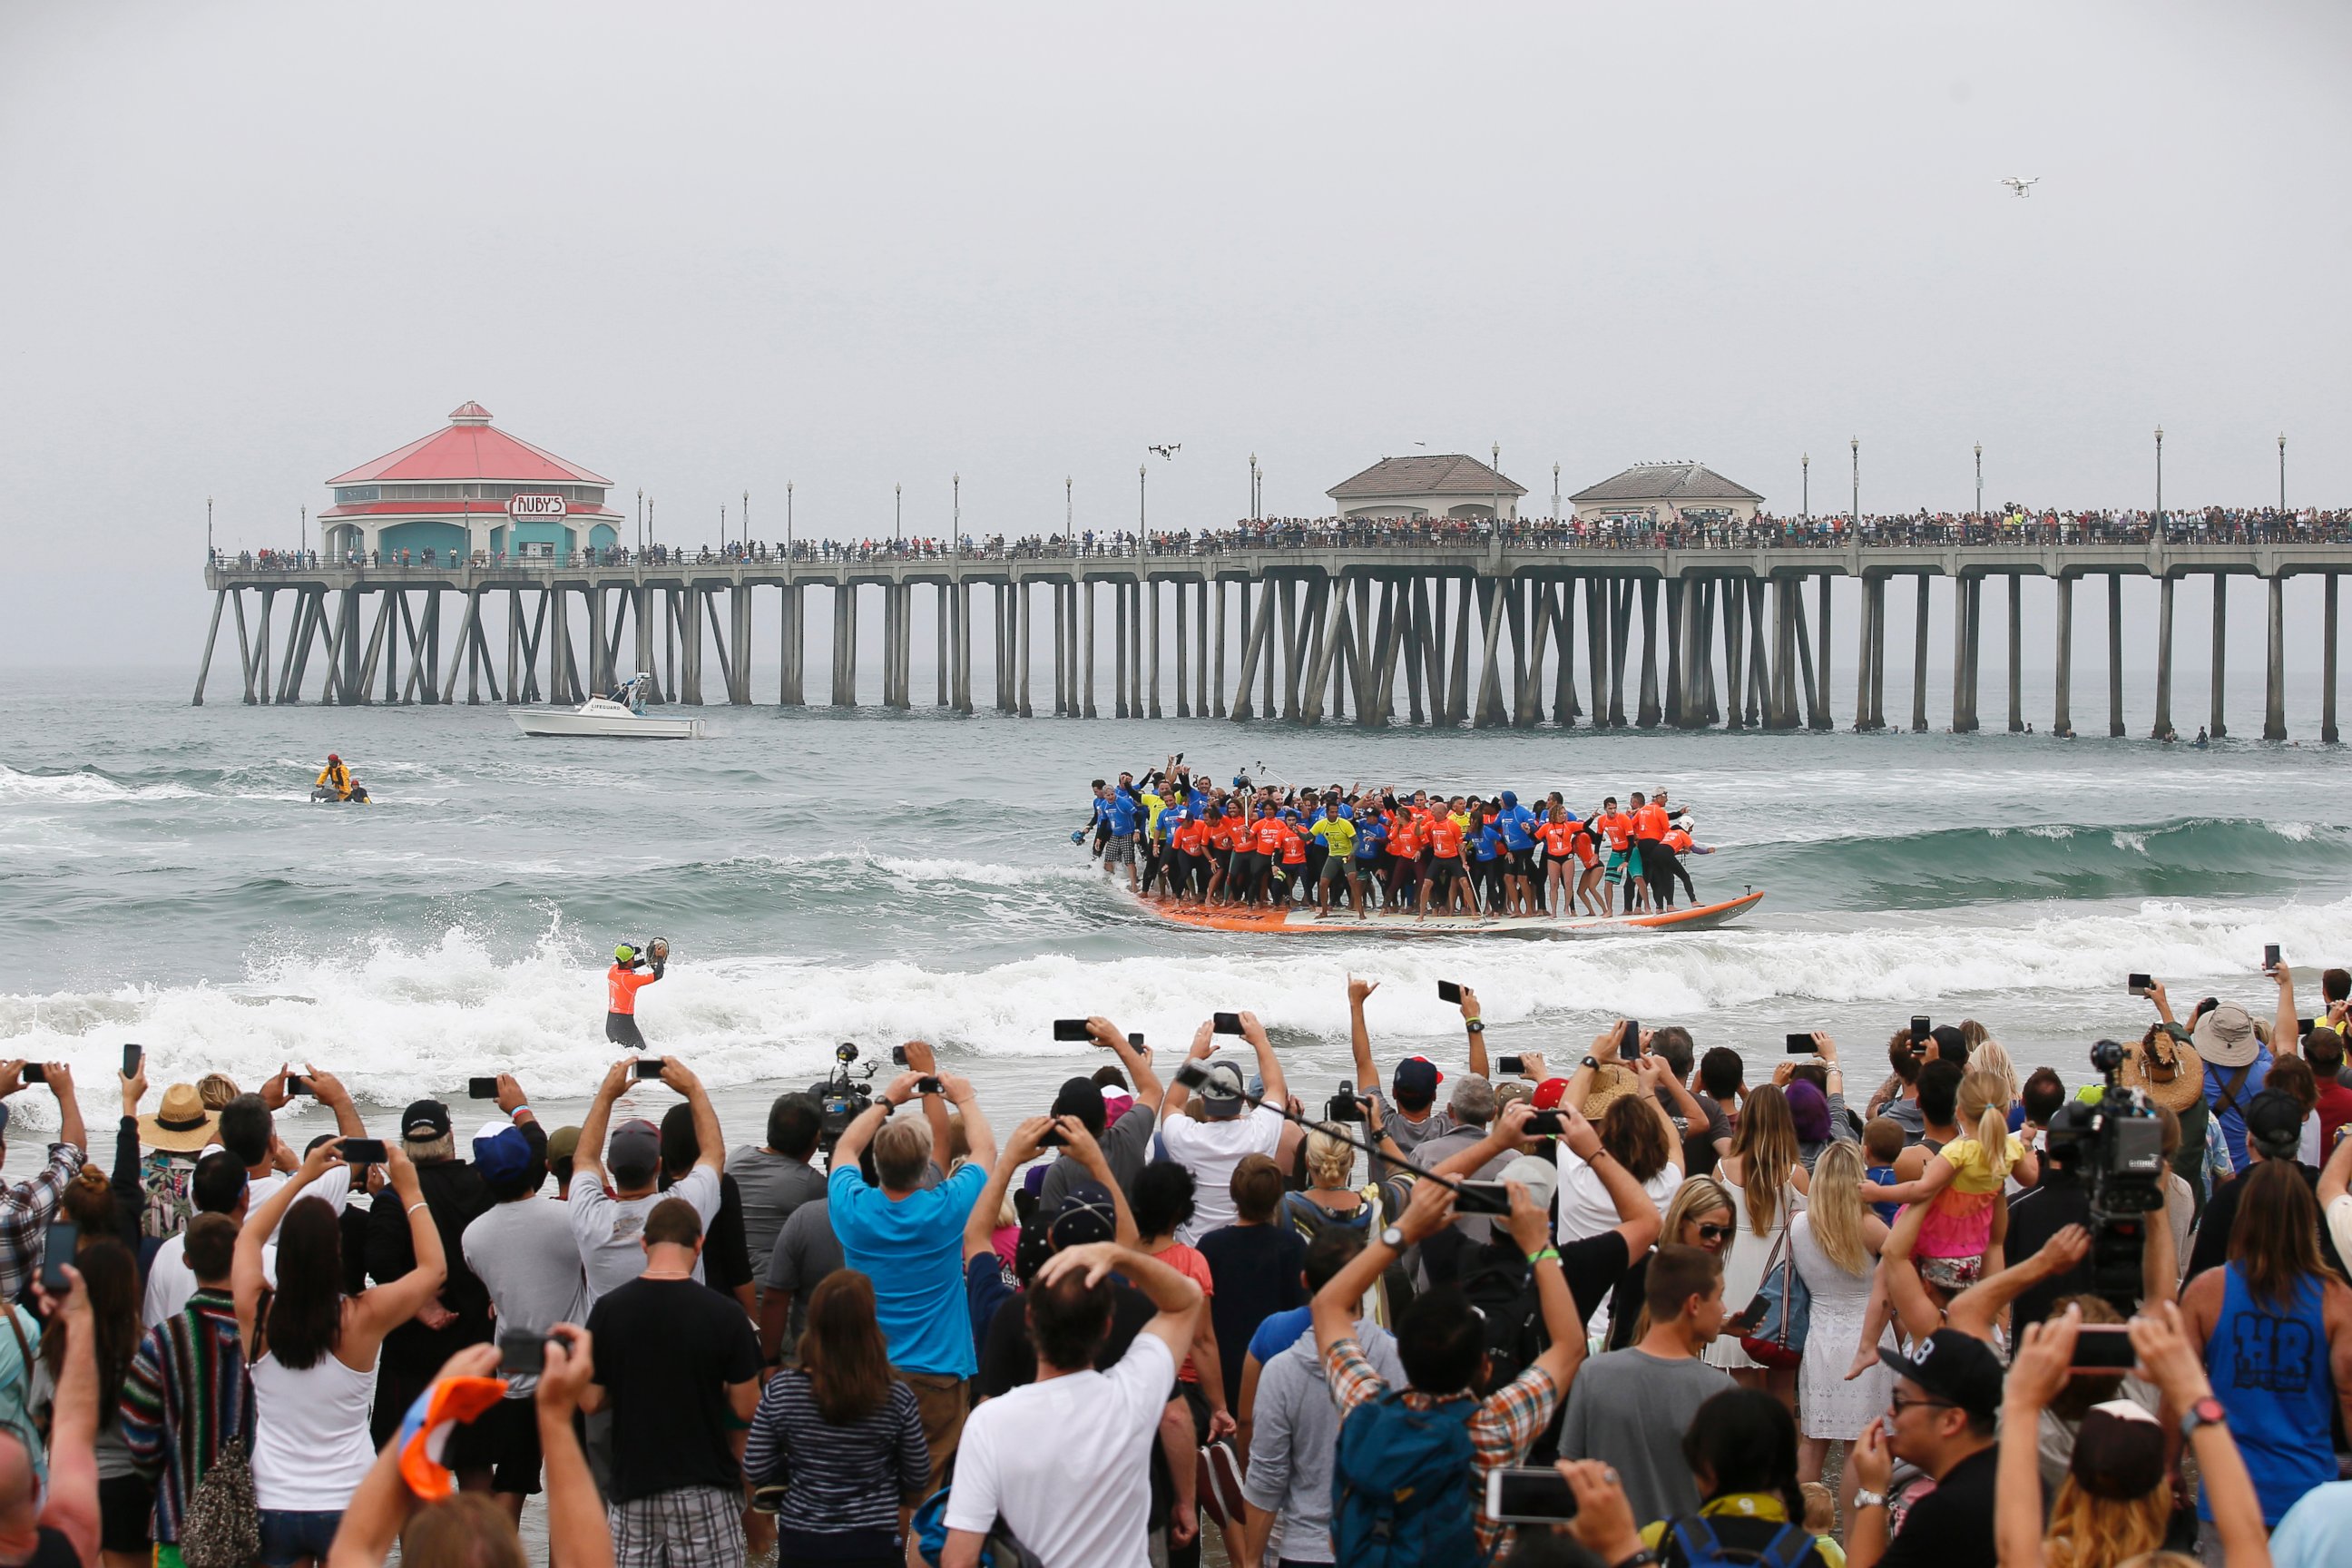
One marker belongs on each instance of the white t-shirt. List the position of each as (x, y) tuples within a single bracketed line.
[(334, 1185), (1066, 1463), (1211, 1150), (1583, 1203), (170, 1280), (609, 1230)]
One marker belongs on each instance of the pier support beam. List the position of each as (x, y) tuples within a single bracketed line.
[(2220, 725), (845, 646), (1824, 719), (2115, 654), (2016, 652), (2274, 675), (2062, 722), (220, 598), (1919, 662), (2327, 665), (1022, 607), (2163, 724), (1645, 714), (1865, 637), (1086, 590), (1962, 721), (1151, 590)]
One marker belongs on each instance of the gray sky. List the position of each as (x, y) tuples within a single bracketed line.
[(708, 249)]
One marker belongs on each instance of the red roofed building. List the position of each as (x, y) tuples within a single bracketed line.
[(466, 490)]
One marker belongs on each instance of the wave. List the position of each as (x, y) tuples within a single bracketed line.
[(84, 785), (399, 1018)]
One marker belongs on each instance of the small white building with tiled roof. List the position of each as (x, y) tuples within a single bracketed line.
[(1451, 485), (1664, 491)]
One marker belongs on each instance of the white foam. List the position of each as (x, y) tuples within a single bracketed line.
[(80, 788)]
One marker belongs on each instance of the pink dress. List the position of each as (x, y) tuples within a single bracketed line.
[(1959, 1218)]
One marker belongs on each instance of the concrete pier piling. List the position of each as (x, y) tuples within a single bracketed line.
[(1481, 634)]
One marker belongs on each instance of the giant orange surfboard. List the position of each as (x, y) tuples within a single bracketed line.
[(1292, 919)]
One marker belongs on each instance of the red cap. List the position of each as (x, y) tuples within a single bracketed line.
[(1549, 1093)]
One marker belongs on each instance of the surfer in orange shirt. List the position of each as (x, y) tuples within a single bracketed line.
[(631, 972)]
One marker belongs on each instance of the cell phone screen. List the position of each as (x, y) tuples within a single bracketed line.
[(1511, 1067), (35, 1072), (1629, 1044), (363, 1150), (1482, 1197), (1799, 1045), (1546, 1124), (2303, 1027), (649, 1067), (1528, 1496), (1071, 1029), (135, 1057), (2104, 1347), (2269, 956), (2141, 984), (1447, 991), (57, 1245), (1921, 1029), (928, 1086), (1229, 1023), (481, 1088)]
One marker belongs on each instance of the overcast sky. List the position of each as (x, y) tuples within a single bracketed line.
[(705, 249)]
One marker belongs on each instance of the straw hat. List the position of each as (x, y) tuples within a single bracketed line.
[(1611, 1083), (181, 1124), (2171, 1075)]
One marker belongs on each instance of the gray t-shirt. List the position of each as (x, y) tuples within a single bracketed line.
[(1630, 1409), (524, 1253), (771, 1186), (1407, 1136), (1126, 1145), (805, 1251)]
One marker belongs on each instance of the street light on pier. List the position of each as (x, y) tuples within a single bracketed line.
[(1070, 524), (1253, 495), (1141, 472), (898, 513), (2281, 471), (1805, 464), (788, 519), (1980, 481), (1854, 519), (2159, 475)]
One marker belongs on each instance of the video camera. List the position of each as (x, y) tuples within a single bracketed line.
[(843, 1096), (2115, 1146), (1345, 1106)]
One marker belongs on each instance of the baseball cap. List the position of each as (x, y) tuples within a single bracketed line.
[(1221, 1091), (1416, 1079), (2225, 1035), (1084, 1214), (501, 1152), (424, 1119), (1539, 1175), (1510, 1092), (635, 1146), (1549, 1093), (2275, 1123), (1117, 1102), (1081, 1098), (2118, 1452), (563, 1144), (1955, 1367)]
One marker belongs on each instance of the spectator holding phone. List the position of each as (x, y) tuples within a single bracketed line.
[(608, 1220), (1228, 1130), (313, 1351), (48, 1520), (459, 1314), (188, 1397), (1126, 1143), (26, 1206)]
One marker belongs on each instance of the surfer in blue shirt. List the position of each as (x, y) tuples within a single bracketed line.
[(1517, 825)]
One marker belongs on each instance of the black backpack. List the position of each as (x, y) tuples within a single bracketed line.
[(1503, 1290)]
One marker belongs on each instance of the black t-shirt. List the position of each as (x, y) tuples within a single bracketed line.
[(2213, 1248), (1952, 1524), (1008, 1361), (1255, 1268), (666, 1353), (2035, 1216)]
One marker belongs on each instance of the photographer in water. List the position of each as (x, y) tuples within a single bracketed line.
[(634, 969)]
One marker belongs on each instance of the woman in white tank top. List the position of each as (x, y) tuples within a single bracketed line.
[(313, 1351)]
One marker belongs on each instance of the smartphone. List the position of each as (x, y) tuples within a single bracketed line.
[(2303, 1027), (1511, 1067), (57, 1245), (2270, 957), (1629, 1044), (519, 1350), (1192, 1074), (1482, 1197), (2140, 985), (898, 1056), (1052, 1139), (649, 1067), (35, 1072), (135, 1057), (1921, 1028), (1447, 991), (297, 1084), (1554, 1124), (481, 1088), (1135, 1038), (1072, 1029), (1229, 1023), (1798, 1045), (928, 1086), (363, 1150), (1528, 1496), (2103, 1347)]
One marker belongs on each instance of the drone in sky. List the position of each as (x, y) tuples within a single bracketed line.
[(1166, 450), (2020, 186)]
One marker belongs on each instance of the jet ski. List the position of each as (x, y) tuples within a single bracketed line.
[(359, 795)]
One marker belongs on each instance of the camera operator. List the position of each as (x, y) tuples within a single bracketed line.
[(2073, 1192)]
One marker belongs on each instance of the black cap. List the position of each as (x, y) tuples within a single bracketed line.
[(2275, 1123), (1953, 1366), (1081, 1098), (425, 1119), (1085, 1213)]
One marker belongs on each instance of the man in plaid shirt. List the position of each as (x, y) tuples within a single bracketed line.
[(26, 1208), (1441, 1342)]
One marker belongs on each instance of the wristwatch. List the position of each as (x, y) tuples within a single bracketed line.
[(1593, 1062), (1392, 1237), (1645, 1558), (1869, 1500), (1476, 1026), (2206, 1411)]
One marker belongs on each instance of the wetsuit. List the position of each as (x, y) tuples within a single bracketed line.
[(1677, 843), (621, 984)]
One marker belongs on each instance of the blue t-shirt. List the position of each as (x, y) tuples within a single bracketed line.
[(1517, 824), (913, 1251), (1488, 843), (2231, 1123), (1883, 1176), (1371, 839), (1279, 1331), (1122, 812)]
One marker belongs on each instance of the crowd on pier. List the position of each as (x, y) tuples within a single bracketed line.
[(1643, 529), (1622, 1302)]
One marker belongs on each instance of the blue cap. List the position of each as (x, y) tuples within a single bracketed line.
[(501, 1152)]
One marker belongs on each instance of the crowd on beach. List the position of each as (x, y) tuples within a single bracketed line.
[(1619, 1303), (1666, 527)]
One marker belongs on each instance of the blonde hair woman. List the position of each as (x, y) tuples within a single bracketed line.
[(1766, 1182), (1836, 1243), (1699, 1215), (1992, 1056), (1328, 1198)]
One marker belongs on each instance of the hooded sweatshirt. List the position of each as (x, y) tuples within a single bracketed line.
[(1296, 1438)]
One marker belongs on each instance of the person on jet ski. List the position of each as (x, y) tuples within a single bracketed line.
[(335, 776)]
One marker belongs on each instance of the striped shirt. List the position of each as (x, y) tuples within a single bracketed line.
[(1508, 1424), (186, 1398), (841, 1478)]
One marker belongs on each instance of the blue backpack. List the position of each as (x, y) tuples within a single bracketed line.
[(1698, 1545), (929, 1527), (1405, 1485)]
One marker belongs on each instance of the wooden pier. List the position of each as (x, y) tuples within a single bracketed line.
[(1492, 634)]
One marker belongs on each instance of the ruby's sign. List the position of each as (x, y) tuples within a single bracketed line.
[(544, 507)]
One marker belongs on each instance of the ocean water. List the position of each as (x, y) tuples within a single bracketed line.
[(870, 877)]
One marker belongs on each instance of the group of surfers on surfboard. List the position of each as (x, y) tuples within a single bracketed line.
[(1270, 846)]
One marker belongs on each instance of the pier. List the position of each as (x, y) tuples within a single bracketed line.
[(1323, 622)]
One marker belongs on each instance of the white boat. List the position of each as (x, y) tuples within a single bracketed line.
[(605, 718)]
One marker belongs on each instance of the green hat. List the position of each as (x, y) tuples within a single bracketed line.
[(623, 954)]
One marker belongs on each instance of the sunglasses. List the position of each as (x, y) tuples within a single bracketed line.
[(1897, 1405), (1715, 1233)]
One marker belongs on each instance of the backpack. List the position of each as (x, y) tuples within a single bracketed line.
[(221, 1526), (1404, 1485), (1504, 1292), (929, 1527), (1697, 1545)]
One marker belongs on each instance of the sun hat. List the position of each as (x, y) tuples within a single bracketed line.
[(2225, 1036), (181, 1124), (2168, 1071), (1611, 1082)]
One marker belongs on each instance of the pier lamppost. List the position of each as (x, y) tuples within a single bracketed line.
[(788, 520), (956, 513), (1854, 520), (1253, 495), (641, 517), (1805, 467), (2281, 471), (898, 513), (1142, 475), (1555, 492), (1069, 517), (306, 511), (746, 524), (1980, 481), (208, 528), (2160, 478)]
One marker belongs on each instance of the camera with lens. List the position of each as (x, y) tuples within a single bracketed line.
[(2114, 1146), (841, 1096), (1345, 1106)]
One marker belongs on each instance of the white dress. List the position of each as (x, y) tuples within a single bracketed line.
[(1829, 1407), (1743, 1272)]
